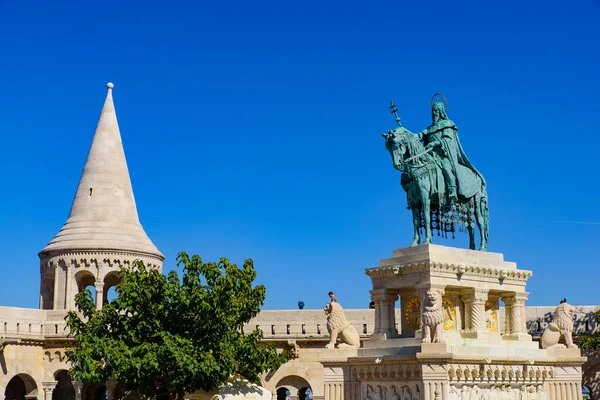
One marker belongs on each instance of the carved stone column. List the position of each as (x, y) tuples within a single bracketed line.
[(385, 317), (474, 300), (509, 301), (111, 385), (520, 299), (69, 299), (99, 294), (55, 294), (516, 323), (48, 389), (78, 387)]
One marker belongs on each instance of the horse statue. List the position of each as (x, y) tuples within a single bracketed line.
[(424, 180)]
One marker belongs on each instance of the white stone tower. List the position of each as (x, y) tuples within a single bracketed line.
[(103, 231)]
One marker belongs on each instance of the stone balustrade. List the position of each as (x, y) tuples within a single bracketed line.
[(306, 324), (280, 324)]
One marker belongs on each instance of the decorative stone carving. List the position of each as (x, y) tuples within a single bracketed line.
[(449, 313), (374, 392), (402, 391), (497, 392), (491, 316), (412, 313), (339, 327), (432, 316), (561, 325), (450, 270), (48, 388), (294, 349), (496, 373), (389, 372)]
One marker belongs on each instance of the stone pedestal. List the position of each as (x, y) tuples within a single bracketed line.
[(454, 294)]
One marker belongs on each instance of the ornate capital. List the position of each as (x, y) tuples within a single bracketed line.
[(521, 298), (480, 295), (509, 301), (383, 295), (475, 295), (49, 386)]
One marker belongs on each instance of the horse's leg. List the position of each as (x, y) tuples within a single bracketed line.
[(481, 224), (416, 214), (427, 217), (471, 230)]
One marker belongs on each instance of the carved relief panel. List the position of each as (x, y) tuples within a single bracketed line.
[(395, 391), (496, 392)]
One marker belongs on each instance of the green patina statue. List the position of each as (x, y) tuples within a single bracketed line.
[(443, 188)]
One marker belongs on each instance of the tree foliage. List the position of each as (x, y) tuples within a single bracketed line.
[(591, 342), (165, 336)]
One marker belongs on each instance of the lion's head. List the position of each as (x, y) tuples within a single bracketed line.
[(563, 317), (434, 298), (335, 316)]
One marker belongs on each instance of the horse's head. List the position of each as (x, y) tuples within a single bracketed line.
[(395, 142)]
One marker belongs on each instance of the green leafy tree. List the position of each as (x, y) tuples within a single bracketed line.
[(591, 342), (162, 336)]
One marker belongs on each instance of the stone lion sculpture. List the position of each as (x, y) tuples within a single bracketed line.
[(432, 317), (339, 328), (561, 325)]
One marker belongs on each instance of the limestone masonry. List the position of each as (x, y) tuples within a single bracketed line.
[(462, 330)]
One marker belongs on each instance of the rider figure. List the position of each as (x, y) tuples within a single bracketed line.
[(442, 137)]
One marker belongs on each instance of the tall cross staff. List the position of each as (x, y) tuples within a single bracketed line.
[(394, 110)]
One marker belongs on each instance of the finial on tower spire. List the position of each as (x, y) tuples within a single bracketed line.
[(110, 85)]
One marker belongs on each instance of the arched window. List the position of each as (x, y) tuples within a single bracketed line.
[(64, 387), (21, 387), (111, 280), (283, 393), (86, 280), (305, 393)]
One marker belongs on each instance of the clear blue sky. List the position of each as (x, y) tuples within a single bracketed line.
[(252, 130)]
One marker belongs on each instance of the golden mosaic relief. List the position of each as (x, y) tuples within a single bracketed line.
[(491, 317), (412, 313), (449, 313)]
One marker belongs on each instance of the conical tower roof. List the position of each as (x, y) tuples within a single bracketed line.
[(104, 216)]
